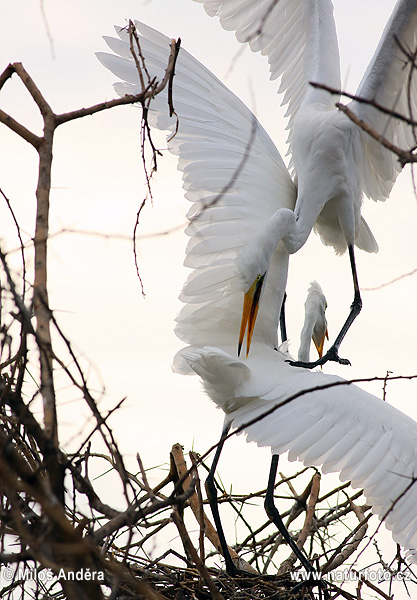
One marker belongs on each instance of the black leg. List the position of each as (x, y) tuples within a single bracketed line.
[(212, 498), (273, 514), (355, 309)]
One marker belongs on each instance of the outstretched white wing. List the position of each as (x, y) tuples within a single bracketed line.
[(232, 173), (391, 81), (340, 428), (297, 36)]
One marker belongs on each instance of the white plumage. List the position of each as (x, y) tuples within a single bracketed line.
[(299, 39), (334, 161), (315, 323), (217, 132), (342, 428)]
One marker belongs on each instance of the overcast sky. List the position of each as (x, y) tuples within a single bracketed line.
[(127, 342)]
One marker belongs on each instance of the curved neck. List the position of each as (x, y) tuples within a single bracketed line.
[(292, 228), (305, 338)]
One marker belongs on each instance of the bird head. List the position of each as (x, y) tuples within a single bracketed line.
[(252, 267), (317, 300), (315, 323), (250, 311), (318, 339)]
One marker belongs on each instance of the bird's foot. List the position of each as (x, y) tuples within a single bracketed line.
[(331, 355), (312, 579)]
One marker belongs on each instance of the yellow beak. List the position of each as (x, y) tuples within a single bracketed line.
[(319, 343), (250, 312)]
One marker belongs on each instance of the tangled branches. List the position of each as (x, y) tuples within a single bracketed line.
[(62, 536)]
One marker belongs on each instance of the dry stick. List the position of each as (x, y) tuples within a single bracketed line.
[(44, 145), (341, 592), (404, 156), (141, 587), (21, 130), (262, 493), (193, 554), (300, 500), (62, 538), (40, 292), (133, 514), (134, 36), (22, 246), (40, 295), (199, 513), (54, 467), (331, 563), (314, 494), (155, 88), (339, 511), (390, 282), (347, 548), (83, 485), (383, 109), (373, 586), (169, 71), (194, 460)]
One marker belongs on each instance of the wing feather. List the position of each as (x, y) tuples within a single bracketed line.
[(323, 421), (232, 173), (342, 429), (298, 37), (390, 81)]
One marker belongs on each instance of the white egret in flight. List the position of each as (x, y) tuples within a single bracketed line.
[(235, 239), (334, 161)]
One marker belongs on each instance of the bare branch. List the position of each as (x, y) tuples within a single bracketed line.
[(199, 513), (405, 156), (383, 109), (191, 550), (20, 129)]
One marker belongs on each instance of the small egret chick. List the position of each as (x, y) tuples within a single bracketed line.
[(315, 323)]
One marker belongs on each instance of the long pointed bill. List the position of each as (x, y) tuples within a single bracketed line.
[(249, 313), (319, 343)]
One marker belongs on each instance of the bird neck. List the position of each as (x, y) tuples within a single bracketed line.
[(255, 258), (281, 227), (305, 339)]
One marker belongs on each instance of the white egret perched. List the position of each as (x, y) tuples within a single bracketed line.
[(315, 323), (234, 229), (335, 162)]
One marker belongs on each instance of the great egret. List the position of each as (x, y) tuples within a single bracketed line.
[(315, 323), (314, 328), (221, 148), (341, 428), (335, 162)]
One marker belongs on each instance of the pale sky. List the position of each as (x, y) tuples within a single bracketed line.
[(127, 342)]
